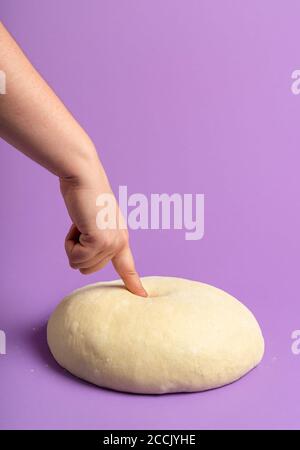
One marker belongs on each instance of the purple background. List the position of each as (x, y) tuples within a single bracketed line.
[(179, 96)]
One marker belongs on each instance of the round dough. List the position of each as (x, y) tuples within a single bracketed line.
[(186, 336)]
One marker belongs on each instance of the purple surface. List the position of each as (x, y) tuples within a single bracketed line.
[(179, 97)]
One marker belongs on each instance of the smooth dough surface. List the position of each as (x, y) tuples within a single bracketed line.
[(186, 336)]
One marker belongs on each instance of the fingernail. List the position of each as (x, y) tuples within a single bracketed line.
[(144, 293)]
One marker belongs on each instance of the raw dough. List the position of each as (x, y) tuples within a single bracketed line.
[(186, 336)]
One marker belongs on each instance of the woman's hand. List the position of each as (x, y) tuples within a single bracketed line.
[(89, 248)]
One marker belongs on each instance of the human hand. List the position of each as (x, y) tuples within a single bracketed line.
[(88, 248), (58, 143)]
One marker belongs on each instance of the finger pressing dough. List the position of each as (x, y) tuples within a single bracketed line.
[(186, 336)]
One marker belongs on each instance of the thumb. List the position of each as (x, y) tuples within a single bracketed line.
[(124, 264)]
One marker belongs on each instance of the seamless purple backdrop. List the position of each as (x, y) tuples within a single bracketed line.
[(188, 97)]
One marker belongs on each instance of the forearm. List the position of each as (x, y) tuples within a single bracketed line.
[(34, 120)]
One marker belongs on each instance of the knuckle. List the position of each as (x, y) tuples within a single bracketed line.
[(108, 244), (103, 242), (131, 273), (109, 241)]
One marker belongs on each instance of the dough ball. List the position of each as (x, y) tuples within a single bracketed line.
[(186, 336)]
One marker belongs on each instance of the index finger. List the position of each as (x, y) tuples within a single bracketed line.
[(124, 264)]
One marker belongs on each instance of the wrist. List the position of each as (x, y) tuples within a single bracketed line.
[(83, 166), (87, 173)]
